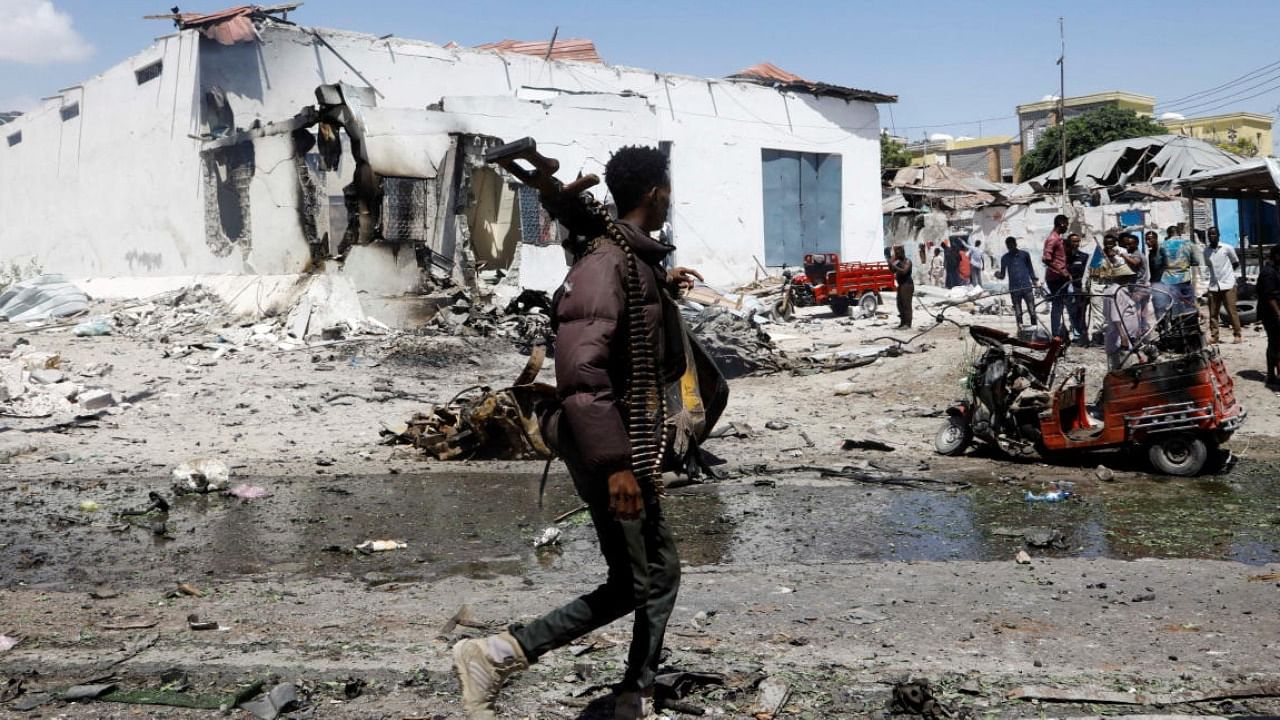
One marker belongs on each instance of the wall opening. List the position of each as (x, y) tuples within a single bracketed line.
[(15, 138), (147, 73), (69, 111), (227, 174)]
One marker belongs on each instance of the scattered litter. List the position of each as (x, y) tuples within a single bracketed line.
[(86, 692), (771, 696), (915, 697), (89, 506), (200, 476), (734, 429), (867, 445), (268, 706), (550, 536), (92, 328), (369, 547), (1056, 493), (189, 590), (249, 492), (1023, 558), (195, 623), (143, 624), (776, 425), (8, 643)]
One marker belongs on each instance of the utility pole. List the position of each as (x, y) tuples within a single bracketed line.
[(1062, 111)]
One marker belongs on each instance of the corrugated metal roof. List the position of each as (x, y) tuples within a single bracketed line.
[(774, 76), (568, 49)]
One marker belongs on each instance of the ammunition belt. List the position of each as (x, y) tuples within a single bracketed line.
[(644, 399)]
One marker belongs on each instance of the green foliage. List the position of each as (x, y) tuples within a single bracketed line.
[(1086, 132), (1240, 146), (893, 154)]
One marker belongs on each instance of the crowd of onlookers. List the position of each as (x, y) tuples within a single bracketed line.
[(1127, 285)]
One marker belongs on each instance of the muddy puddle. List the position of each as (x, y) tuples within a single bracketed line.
[(483, 525)]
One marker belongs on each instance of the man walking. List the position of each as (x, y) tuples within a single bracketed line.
[(901, 267), (977, 262), (1269, 311), (594, 378), (1223, 264), (1056, 274), (1016, 265)]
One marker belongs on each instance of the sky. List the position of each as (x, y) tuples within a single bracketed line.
[(958, 67)]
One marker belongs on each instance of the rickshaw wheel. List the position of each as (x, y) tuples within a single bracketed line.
[(953, 437), (1181, 455)]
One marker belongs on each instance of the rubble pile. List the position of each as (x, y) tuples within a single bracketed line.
[(41, 384), (737, 344), (525, 319)]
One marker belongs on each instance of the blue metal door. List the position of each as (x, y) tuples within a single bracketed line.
[(1227, 219), (802, 194)]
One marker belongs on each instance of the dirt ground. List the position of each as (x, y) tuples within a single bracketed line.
[(832, 585)]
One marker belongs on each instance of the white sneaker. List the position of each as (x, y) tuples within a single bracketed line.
[(633, 705), (482, 666)]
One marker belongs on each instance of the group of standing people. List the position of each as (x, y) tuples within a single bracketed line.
[(957, 264)]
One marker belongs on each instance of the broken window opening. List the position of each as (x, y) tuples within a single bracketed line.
[(228, 172), (147, 73), (15, 138), (219, 119), (69, 111), (313, 202), (406, 211)]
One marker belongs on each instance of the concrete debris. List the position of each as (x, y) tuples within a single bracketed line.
[(43, 298), (200, 476), (550, 536), (8, 643), (368, 547), (1023, 558)]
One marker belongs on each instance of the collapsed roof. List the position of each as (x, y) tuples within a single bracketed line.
[(1257, 178), (1143, 159), (566, 49), (771, 75)]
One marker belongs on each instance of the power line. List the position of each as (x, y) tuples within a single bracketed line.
[(1270, 89), (1195, 95), (1232, 97)]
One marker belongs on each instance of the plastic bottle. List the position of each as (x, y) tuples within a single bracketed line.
[(1054, 495)]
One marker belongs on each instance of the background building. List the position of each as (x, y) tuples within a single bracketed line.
[(1034, 118), (1229, 129)]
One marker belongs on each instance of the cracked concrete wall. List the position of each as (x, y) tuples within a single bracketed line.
[(579, 114), (136, 191), (118, 188)]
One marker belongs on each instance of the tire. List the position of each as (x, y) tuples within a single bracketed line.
[(839, 305), (953, 437), (1180, 455), (868, 303), (1247, 309)]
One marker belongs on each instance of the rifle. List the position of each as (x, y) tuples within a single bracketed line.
[(570, 204)]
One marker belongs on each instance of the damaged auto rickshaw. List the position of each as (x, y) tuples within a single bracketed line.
[(1169, 396)]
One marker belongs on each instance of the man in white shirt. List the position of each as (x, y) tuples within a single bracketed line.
[(1222, 265), (977, 262)]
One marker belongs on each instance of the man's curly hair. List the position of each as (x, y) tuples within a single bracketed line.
[(633, 171)]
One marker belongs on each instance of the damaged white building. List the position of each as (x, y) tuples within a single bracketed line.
[(245, 146)]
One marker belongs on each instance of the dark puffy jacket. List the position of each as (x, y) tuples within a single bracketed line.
[(592, 346)]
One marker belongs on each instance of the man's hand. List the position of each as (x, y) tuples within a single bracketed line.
[(625, 500), (683, 277)]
